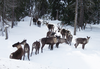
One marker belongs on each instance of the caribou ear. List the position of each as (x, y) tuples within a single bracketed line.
[(25, 40), (88, 37)]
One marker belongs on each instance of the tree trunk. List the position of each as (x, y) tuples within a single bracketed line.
[(12, 16), (30, 14), (76, 14), (98, 14), (31, 7), (3, 13), (81, 18), (57, 15), (6, 32), (31, 20)]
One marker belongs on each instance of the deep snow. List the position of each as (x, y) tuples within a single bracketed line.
[(64, 57)]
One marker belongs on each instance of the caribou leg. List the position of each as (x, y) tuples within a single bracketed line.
[(42, 48)]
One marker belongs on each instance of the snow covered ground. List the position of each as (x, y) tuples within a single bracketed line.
[(64, 57)]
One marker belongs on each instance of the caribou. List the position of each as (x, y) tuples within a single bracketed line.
[(39, 23), (36, 46), (50, 27), (35, 20), (51, 41), (26, 49), (82, 41), (60, 41), (50, 34), (65, 33), (18, 53)]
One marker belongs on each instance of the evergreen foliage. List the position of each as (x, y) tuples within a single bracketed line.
[(63, 10), (22, 9)]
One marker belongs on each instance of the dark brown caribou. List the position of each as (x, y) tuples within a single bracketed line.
[(26, 49), (51, 41), (82, 41), (36, 46), (63, 31), (18, 53), (35, 20), (39, 23)]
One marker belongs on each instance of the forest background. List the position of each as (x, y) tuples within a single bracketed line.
[(88, 11)]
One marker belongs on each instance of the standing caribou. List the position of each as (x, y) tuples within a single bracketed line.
[(35, 20), (69, 37), (82, 41), (51, 41), (50, 27), (36, 46), (39, 23), (65, 33), (26, 49), (60, 41)]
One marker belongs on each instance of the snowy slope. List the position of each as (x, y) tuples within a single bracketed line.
[(17, 64), (64, 57)]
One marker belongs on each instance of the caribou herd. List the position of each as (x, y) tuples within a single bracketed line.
[(51, 39)]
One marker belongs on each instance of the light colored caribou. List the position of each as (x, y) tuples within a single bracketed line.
[(82, 41), (36, 46), (50, 27), (26, 49)]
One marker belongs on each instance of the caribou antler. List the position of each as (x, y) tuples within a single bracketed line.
[(60, 25)]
